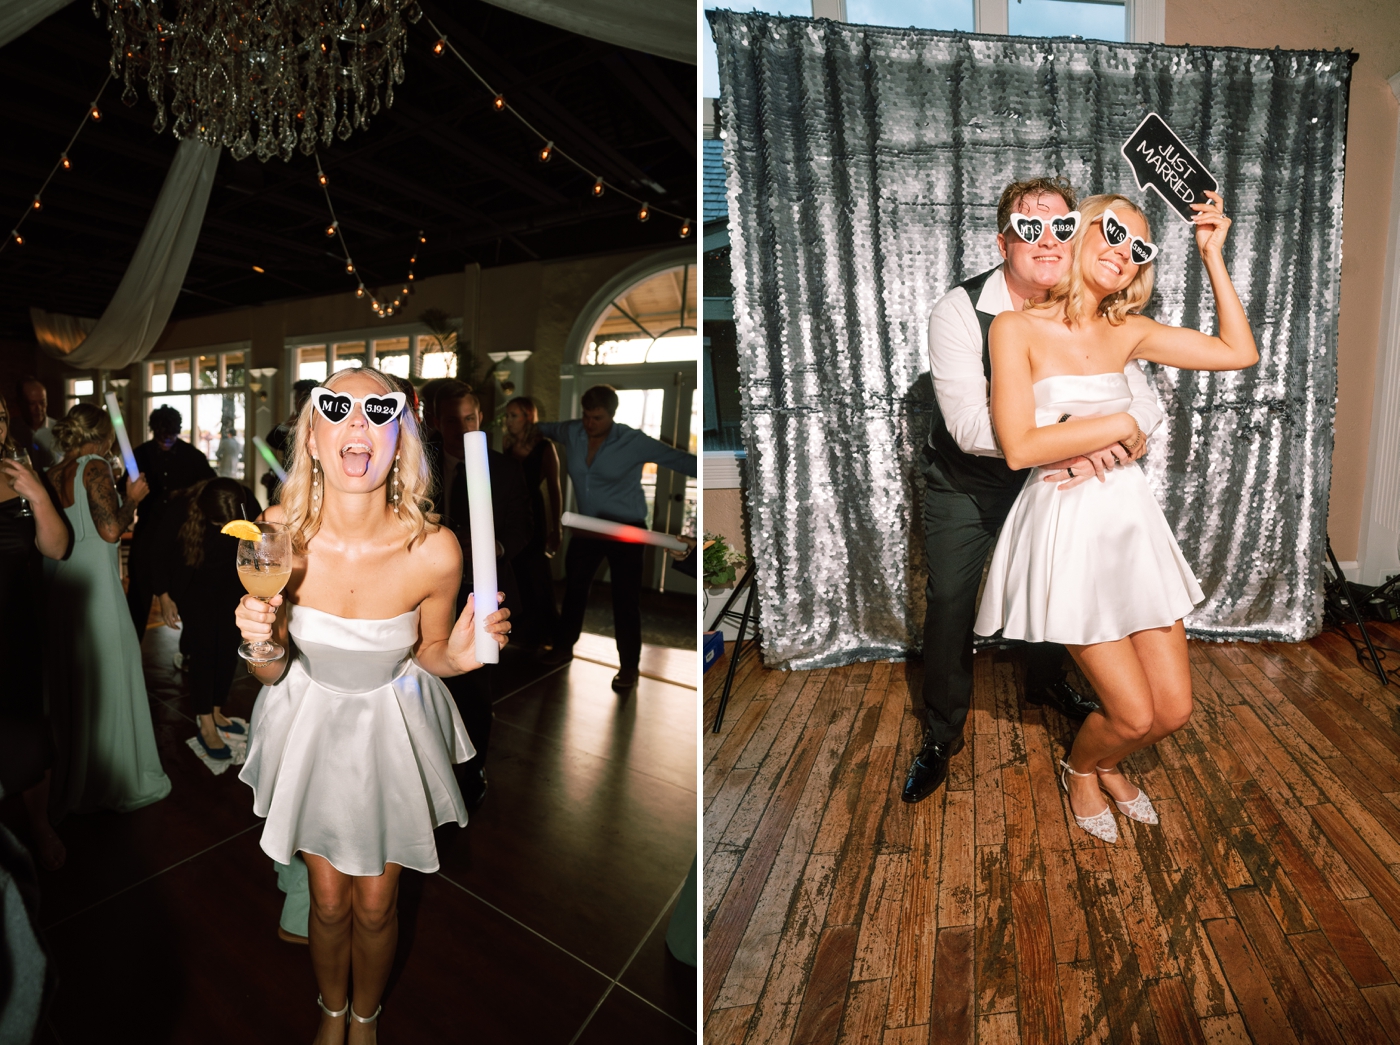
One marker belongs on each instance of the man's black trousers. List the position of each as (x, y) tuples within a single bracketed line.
[(958, 535), (581, 562)]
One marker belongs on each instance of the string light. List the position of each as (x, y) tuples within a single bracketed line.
[(548, 150), (321, 177), (92, 112), (422, 238), (333, 227), (360, 291), (350, 267), (259, 269)]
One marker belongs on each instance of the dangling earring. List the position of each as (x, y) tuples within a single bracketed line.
[(315, 483), (394, 487)]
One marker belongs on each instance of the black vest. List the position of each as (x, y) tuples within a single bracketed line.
[(978, 477)]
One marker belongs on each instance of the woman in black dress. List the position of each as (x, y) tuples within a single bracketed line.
[(31, 527), (540, 462), (196, 579)]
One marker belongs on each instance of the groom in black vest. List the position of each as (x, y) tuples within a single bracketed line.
[(969, 489)]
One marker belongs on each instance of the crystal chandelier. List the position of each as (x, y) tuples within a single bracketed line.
[(262, 77)]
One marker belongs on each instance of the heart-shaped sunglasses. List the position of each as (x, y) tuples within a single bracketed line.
[(379, 409), (1115, 232), (1030, 229)]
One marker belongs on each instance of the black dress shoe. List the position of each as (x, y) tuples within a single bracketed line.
[(474, 789), (625, 680), (929, 768), (1065, 699)]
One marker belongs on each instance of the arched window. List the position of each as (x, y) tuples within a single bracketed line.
[(652, 320)]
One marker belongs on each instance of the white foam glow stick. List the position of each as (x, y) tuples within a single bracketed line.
[(267, 456), (621, 531), (123, 440), (483, 541)]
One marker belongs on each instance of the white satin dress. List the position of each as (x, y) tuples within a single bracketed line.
[(1090, 564), (350, 755)]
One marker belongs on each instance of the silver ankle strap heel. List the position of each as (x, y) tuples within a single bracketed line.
[(1100, 825), (364, 1019), (1138, 808), (331, 1013)]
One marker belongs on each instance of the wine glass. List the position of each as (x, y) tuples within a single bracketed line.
[(264, 565), (20, 454)]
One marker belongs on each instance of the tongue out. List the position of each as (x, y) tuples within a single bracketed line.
[(353, 463)]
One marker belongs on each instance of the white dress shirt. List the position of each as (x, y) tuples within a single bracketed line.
[(960, 384)]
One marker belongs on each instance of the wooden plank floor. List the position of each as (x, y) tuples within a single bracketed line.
[(1265, 907)]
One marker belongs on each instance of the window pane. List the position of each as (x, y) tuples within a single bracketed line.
[(392, 356), (219, 432), (208, 371), (437, 363), (721, 376), (653, 320), (920, 14), (311, 363), (234, 373), (1066, 18), (351, 354), (155, 377), (180, 375), (82, 387), (180, 403)]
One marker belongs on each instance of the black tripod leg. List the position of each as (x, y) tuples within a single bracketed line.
[(738, 646), (1356, 614)]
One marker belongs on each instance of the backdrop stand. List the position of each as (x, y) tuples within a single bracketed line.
[(745, 581), (1348, 598)]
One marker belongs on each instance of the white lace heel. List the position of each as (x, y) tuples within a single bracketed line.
[(1101, 825), (1139, 808)]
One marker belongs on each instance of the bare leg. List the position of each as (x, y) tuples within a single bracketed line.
[(330, 929), (376, 913), (1147, 680), (209, 730), (49, 846), (220, 719)]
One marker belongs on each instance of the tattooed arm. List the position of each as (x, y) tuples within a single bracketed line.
[(111, 518)]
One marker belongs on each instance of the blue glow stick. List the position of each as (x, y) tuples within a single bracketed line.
[(123, 440)]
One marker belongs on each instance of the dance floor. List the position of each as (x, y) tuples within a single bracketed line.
[(545, 924), (1263, 908)]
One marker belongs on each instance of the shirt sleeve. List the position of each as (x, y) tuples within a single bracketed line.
[(551, 430), (656, 451), (959, 383), (1146, 411)]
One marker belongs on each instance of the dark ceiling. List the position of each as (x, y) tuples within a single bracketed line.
[(441, 160)]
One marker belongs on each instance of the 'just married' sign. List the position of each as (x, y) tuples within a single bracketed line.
[(1161, 162)]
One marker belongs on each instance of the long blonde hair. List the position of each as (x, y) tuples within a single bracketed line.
[(415, 512), (1071, 290)]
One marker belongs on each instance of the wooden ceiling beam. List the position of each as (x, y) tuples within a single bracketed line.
[(631, 80)]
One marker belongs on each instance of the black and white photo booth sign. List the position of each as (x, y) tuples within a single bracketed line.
[(1160, 161)]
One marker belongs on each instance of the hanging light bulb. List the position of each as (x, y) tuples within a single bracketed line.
[(546, 152), (410, 277), (598, 188), (644, 213), (685, 229), (413, 260), (67, 163), (349, 266), (19, 240), (360, 291), (330, 229), (374, 305), (439, 46), (259, 269), (95, 113), (38, 203), (396, 303), (321, 177), (499, 102), (422, 238)]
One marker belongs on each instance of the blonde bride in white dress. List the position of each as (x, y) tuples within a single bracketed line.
[(1093, 565), (352, 740)]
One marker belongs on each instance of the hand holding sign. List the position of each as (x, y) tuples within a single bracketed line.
[(1161, 162)]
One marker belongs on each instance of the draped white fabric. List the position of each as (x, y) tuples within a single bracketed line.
[(59, 334), (660, 27), (137, 314), (17, 17)]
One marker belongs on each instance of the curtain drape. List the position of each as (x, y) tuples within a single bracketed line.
[(660, 27), (137, 314), (863, 171)]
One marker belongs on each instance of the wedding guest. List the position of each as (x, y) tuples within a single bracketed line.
[(31, 529), (540, 461), (167, 463), (106, 746), (37, 430), (459, 411), (230, 454), (196, 582), (605, 461)]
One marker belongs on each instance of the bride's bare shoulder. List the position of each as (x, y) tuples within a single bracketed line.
[(274, 514), (438, 551)]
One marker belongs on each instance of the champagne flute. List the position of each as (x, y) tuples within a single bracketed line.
[(264, 566), (20, 454)]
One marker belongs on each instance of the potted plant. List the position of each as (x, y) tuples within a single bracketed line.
[(720, 568)]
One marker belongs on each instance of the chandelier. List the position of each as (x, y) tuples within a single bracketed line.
[(262, 77)]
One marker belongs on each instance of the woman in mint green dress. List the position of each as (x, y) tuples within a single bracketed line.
[(106, 754)]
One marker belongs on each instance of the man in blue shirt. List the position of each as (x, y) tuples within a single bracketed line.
[(605, 466)]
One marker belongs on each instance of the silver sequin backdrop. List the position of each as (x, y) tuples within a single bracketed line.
[(863, 170)]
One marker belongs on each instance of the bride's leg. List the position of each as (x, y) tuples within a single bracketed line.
[(1126, 699), (376, 902), (1162, 654), (329, 933)]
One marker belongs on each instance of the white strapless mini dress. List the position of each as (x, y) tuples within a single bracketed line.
[(1090, 564), (350, 755)]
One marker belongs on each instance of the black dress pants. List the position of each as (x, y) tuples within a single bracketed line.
[(958, 535), (474, 694), (625, 561)]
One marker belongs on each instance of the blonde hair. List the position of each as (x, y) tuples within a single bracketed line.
[(302, 512), (1071, 290), (85, 423)]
